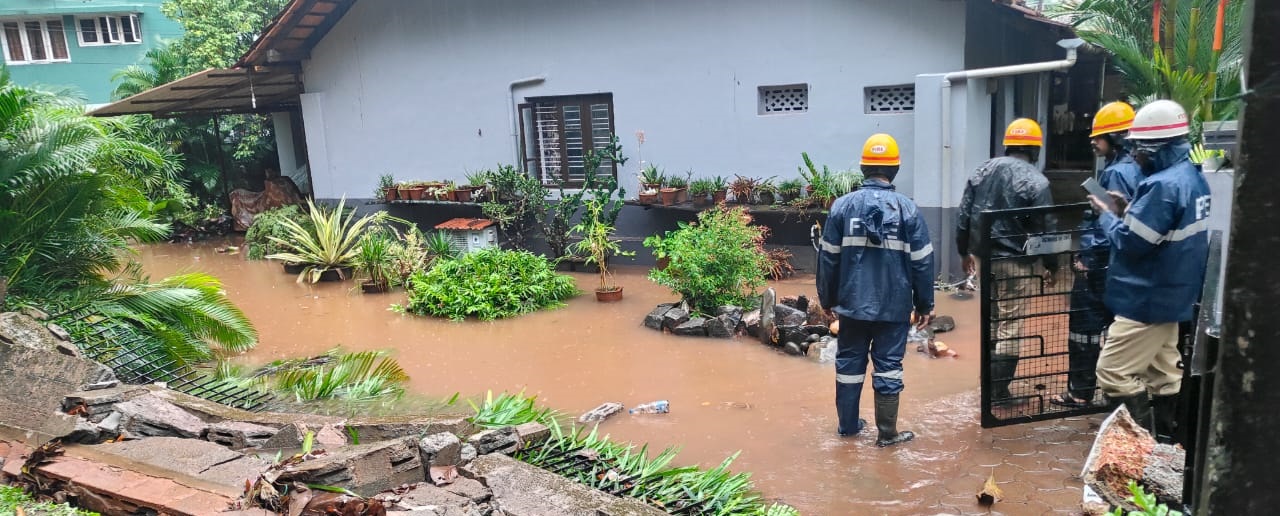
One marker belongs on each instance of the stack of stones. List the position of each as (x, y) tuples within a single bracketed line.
[(792, 324)]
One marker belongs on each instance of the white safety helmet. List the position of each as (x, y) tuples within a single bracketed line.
[(1159, 120)]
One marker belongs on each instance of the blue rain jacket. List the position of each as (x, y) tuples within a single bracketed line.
[(876, 260), (1160, 248), (1121, 174)]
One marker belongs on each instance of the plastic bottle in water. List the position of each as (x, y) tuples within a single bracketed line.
[(657, 407)]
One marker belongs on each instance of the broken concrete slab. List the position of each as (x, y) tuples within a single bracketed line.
[(601, 412), (423, 497), (237, 435), (99, 403), (193, 458), (120, 489), (532, 433), (288, 437), (365, 469), (22, 330), (442, 449), (36, 382), (504, 440), (520, 489), (470, 489), (151, 416)]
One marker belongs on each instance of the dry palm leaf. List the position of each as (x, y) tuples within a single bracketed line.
[(990, 492)]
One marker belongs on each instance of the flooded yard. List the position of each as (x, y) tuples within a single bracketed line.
[(725, 395)]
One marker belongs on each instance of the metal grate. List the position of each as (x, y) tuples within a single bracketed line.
[(1038, 340), (890, 99), (126, 350), (790, 98)]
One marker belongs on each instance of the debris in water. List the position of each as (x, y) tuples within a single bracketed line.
[(990, 492), (736, 405), (231, 249), (656, 407), (602, 412)]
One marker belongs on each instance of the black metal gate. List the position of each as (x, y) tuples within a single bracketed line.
[(1040, 339)]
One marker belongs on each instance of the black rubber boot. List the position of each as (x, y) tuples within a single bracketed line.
[(1164, 411), (1003, 367), (887, 421), (1139, 406)]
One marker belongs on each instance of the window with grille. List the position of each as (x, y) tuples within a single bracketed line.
[(33, 41), (790, 98), (122, 29), (557, 131), (890, 99)]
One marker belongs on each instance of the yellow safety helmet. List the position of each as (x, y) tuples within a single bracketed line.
[(1023, 132), (1112, 118), (880, 150)]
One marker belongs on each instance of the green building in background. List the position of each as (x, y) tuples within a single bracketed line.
[(80, 43)]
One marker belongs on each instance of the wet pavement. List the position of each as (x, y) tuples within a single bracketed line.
[(725, 395)]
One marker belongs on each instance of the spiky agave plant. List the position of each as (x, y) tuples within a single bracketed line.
[(331, 244)]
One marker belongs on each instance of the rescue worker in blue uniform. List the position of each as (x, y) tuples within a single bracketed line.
[(1089, 314), (875, 269), (1159, 253)]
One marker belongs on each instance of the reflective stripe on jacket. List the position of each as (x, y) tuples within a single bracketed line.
[(1160, 248), (876, 260), (1121, 174)]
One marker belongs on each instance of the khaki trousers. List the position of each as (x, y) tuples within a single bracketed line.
[(1022, 282), (1138, 357)]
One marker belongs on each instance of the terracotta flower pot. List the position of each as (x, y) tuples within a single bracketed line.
[(701, 200), (462, 194), (609, 296), (669, 196), (415, 193), (405, 193), (390, 193), (648, 198), (651, 186), (718, 196)]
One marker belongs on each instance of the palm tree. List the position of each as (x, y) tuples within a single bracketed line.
[(163, 66), (1186, 65), (71, 204)]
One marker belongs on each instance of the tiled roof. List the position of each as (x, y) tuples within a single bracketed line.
[(465, 224)]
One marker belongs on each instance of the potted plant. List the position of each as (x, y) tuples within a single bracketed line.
[(476, 182), (374, 262), (651, 178), (404, 190), (700, 192), (766, 192), (681, 184), (719, 188), (743, 188), (597, 245), (790, 189), (648, 196), (668, 195), (329, 248), (387, 188)]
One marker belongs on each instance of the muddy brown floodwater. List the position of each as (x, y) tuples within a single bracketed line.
[(725, 395)]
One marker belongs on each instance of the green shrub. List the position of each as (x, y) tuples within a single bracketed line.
[(509, 410), (715, 261), (270, 223), (489, 284), (13, 497)]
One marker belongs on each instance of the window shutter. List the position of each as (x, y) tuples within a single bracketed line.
[(13, 40), (88, 30), (35, 41), (547, 134), (57, 39)]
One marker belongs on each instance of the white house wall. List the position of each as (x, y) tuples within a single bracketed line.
[(419, 88)]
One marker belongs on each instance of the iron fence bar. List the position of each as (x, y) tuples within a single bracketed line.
[(987, 275)]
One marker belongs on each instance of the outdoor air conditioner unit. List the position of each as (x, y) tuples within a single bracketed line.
[(468, 235)]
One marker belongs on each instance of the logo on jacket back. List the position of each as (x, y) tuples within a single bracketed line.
[(1202, 207)]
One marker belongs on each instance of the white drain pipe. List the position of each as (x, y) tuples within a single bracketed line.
[(515, 115), (983, 73)]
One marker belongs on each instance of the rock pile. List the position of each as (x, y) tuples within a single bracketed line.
[(677, 318)]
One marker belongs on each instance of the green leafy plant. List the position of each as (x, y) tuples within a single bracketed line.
[(509, 410), (845, 181), (718, 184), (1146, 502), (385, 181), (651, 175), (597, 243), (715, 261), (330, 244), (13, 498), (374, 261), (488, 284), (679, 182), (258, 239), (701, 187), (360, 376), (517, 202), (791, 188)]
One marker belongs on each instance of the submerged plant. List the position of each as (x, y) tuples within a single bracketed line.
[(488, 284), (257, 239), (330, 244), (598, 244), (361, 376), (509, 410), (718, 260), (375, 258)]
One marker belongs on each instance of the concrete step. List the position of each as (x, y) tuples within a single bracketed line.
[(520, 489)]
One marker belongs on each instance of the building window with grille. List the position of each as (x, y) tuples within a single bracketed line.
[(789, 98), (121, 29), (557, 131), (33, 41), (890, 99)]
